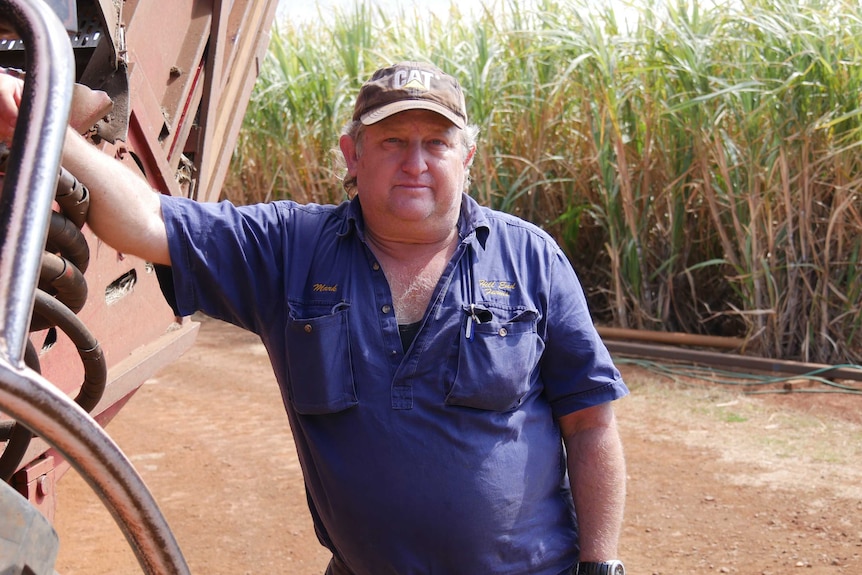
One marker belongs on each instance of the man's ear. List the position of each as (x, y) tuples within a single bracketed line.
[(348, 150), (469, 157)]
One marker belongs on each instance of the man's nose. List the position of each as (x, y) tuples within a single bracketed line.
[(414, 158)]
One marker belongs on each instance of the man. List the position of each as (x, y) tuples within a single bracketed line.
[(449, 396)]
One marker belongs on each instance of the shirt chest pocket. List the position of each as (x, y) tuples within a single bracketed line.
[(318, 360), (496, 359)]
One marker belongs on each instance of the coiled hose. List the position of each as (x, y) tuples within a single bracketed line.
[(61, 295)]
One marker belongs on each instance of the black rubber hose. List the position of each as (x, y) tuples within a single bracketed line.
[(89, 350), (62, 275), (66, 238), (73, 197), (51, 311), (59, 277)]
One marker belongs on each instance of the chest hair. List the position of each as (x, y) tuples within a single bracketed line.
[(412, 290)]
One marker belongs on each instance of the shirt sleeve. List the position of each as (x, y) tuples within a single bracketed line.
[(223, 258), (577, 369)]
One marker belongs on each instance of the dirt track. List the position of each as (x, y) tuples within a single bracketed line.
[(718, 482)]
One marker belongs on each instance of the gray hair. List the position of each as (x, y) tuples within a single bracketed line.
[(355, 130)]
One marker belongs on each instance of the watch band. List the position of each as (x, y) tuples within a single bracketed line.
[(601, 568)]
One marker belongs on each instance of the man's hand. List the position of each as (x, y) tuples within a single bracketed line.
[(88, 106), (11, 89)]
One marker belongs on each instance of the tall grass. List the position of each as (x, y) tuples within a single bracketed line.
[(700, 163)]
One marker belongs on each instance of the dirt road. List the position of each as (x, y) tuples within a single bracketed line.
[(719, 482)]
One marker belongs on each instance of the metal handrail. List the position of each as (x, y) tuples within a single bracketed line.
[(33, 165)]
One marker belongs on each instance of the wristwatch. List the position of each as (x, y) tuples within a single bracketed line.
[(601, 568)]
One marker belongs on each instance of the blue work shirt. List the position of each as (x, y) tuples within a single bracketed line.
[(443, 459)]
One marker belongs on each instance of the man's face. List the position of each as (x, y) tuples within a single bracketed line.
[(409, 170)]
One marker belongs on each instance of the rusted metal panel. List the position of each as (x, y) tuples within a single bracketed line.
[(161, 37), (247, 34)]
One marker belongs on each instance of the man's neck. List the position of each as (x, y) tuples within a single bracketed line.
[(412, 246)]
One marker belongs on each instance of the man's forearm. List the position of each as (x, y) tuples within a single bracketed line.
[(124, 210), (598, 480)]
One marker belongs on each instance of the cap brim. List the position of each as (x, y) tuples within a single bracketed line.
[(387, 110)]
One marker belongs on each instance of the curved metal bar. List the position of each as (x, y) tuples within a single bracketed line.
[(32, 400), (34, 161)]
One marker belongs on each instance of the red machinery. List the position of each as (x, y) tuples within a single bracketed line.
[(162, 85)]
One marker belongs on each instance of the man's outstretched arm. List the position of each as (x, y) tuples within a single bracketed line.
[(125, 212)]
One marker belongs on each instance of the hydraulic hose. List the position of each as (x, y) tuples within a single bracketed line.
[(65, 237), (64, 280), (73, 197), (89, 350), (53, 312)]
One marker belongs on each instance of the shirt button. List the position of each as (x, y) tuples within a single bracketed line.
[(375, 266), (386, 309), (503, 332), (307, 328)]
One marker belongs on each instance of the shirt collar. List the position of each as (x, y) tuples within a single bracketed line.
[(472, 225), (352, 220)]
